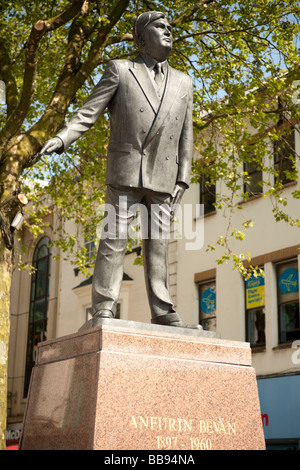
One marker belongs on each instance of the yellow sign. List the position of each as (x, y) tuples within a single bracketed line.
[(255, 292)]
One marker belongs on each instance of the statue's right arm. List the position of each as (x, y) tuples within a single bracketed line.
[(87, 115)]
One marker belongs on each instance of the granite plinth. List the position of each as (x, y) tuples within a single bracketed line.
[(112, 387)]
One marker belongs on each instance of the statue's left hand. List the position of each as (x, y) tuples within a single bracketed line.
[(176, 197)]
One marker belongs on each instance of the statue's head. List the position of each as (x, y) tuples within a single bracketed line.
[(153, 35)]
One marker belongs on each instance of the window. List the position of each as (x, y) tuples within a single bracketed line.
[(253, 180), (38, 309), (207, 194), (288, 301), (90, 246), (207, 296), (255, 311), (284, 158)]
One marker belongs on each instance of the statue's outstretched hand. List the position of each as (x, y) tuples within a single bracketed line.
[(53, 145)]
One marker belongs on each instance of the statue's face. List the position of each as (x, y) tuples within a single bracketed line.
[(158, 39)]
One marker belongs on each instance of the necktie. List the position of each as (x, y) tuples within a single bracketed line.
[(158, 75)]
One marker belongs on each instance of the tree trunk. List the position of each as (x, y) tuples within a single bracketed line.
[(5, 282)]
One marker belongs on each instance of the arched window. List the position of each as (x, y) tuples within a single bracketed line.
[(38, 309)]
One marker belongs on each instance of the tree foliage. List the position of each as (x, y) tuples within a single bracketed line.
[(243, 57)]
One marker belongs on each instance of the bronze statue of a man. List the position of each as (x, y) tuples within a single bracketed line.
[(148, 159)]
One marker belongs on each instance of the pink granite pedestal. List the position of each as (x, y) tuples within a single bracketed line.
[(114, 388)]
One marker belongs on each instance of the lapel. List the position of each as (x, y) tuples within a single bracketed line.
[(141, 74), (161, 108), (172, 89)]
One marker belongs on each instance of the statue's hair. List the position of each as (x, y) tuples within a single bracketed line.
[(142, 21)]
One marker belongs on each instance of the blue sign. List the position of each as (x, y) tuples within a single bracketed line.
[(279, 403), (254, 282), (208, 301), (289, 281)]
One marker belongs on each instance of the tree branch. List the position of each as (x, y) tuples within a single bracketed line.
[(189, 13), (118, 39), (78, 34), (7, 75), (24, 148), (95, 54), (40, 29)]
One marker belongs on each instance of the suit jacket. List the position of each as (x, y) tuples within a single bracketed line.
[(151, 140)]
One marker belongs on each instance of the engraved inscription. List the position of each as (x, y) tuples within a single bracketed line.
[(161, 424), (182, 433)]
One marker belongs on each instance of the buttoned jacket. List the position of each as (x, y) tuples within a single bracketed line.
[(151, 140)]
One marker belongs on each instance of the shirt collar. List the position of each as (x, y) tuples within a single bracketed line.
[(151, 62)]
